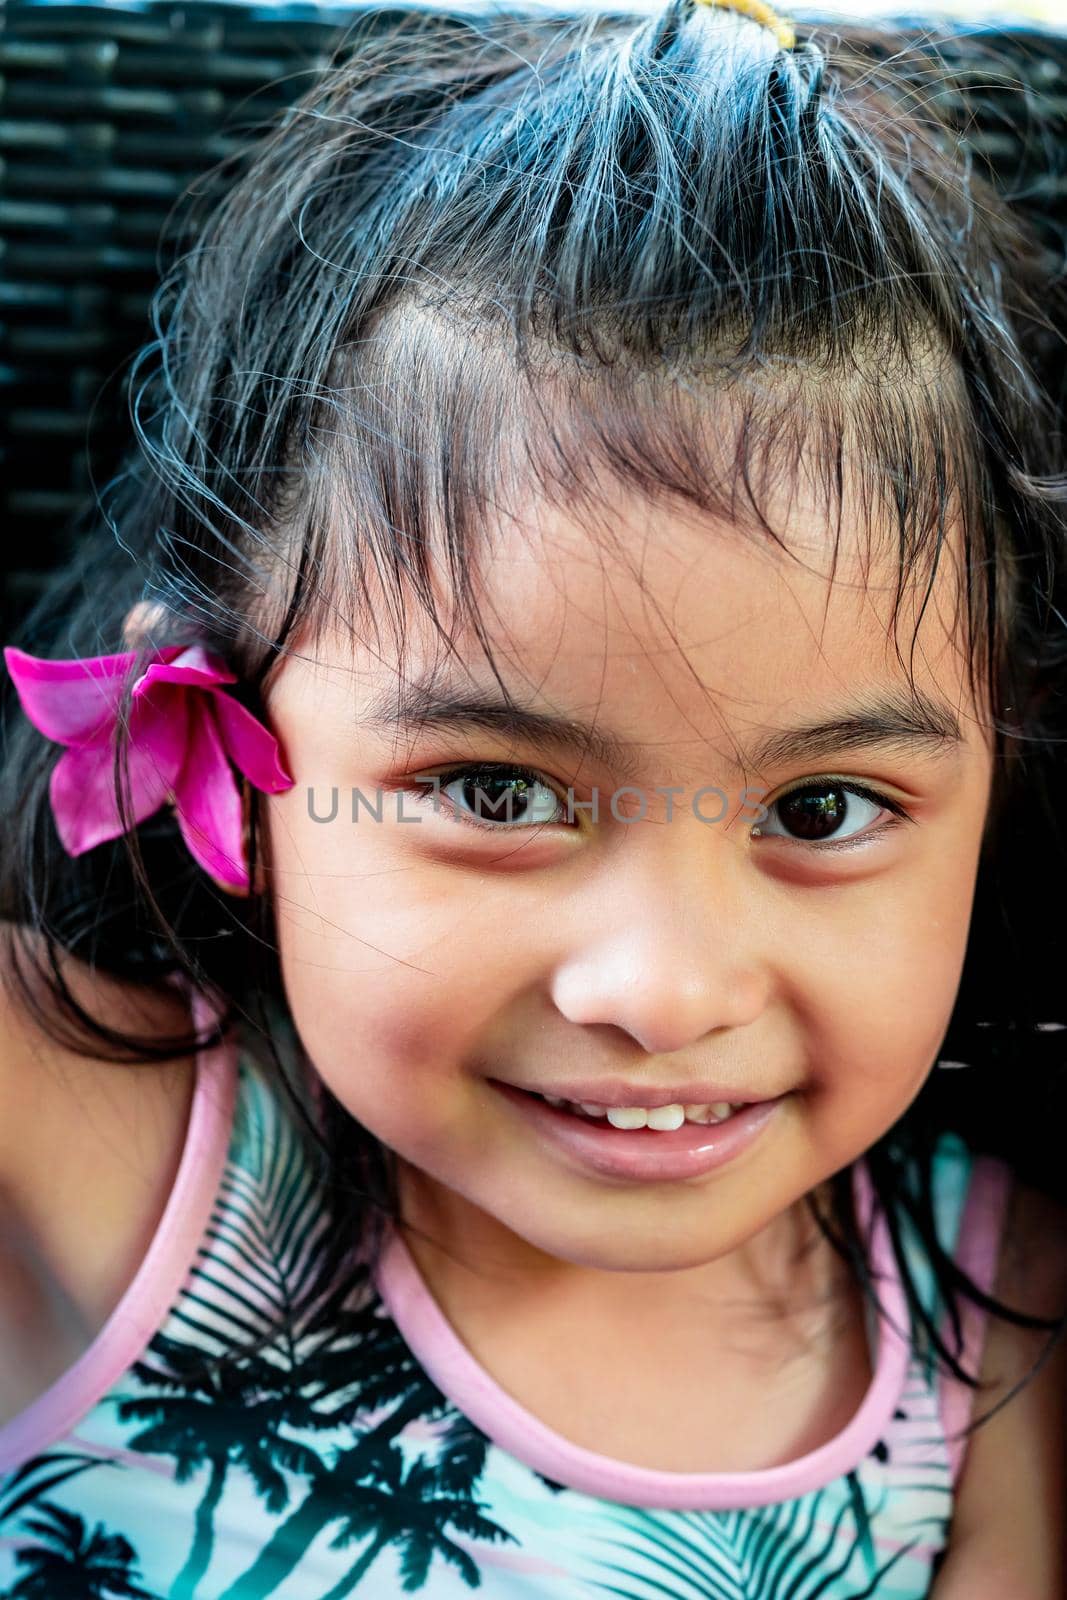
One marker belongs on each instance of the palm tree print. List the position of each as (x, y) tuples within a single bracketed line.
[(214, 1415), (368, 1491), (70, 1563), (252, 1396), (795, 1550), (40, 1476)]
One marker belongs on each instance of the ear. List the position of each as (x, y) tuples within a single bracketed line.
[(145, 619)]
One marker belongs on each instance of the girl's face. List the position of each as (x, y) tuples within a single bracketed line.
[(671, 942)]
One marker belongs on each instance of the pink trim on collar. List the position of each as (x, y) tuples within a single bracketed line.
[(466, 1383)]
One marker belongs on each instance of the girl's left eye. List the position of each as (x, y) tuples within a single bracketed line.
[(818, 811)]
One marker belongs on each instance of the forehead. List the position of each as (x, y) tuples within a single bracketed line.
[(672, 629), (620, 528)]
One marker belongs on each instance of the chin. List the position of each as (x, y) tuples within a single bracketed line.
[(629, 1254)]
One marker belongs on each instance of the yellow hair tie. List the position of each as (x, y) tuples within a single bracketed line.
[(759, 11)]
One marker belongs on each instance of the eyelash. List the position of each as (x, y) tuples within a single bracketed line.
[(485, 769)]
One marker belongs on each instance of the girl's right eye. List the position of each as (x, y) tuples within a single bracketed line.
[(498, 796)]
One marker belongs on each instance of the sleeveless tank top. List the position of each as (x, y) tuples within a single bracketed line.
[(195, 1453)]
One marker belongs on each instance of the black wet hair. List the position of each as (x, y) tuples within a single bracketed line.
[(482, 257)]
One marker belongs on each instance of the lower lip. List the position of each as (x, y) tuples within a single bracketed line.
[(649, 1155)]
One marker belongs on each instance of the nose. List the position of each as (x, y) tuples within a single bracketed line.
[(666, 960)]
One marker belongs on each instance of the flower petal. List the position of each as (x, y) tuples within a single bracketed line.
[(251, 746), (82, 786), (159, 735), (192, 666), (69, 701), (208, 801)]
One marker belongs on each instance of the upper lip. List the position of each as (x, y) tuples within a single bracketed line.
[(615, 1092)]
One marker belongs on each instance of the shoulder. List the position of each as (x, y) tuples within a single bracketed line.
[(1033, 1256), (88, 1147), (1011, 1506), (42, 1077), (1031, 1279)]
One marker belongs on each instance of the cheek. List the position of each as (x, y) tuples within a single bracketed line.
[(383, 1018), (378, 1047), (371, 902), (883, 1013), (915, 963), (411, 959)]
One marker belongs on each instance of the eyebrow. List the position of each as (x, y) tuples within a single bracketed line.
[(913, 723)]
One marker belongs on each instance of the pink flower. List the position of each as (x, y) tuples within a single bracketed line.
[(183, 734)]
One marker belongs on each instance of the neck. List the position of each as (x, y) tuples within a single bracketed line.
[(787, 1270)]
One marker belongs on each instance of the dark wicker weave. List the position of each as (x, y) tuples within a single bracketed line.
[(107, 115)]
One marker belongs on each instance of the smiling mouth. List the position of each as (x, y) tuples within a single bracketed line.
[(626, 1147), (654, 1119)]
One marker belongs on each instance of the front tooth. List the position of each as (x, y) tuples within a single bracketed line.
[(720, 1110), (590, 1109), (627, 1116), (666, 1117)]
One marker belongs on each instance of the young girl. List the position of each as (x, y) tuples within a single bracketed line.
[(514, 827)]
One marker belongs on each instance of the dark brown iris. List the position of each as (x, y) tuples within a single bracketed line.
[(814, 813)]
